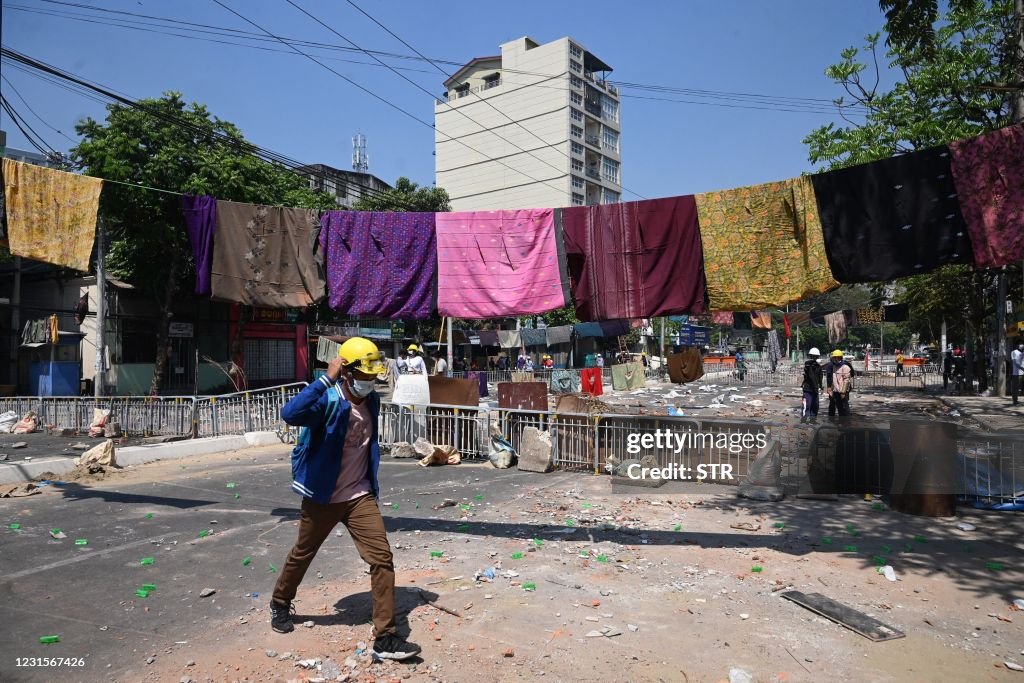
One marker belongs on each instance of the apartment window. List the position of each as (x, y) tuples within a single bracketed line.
[(611, 139), (575, 66), (577, 148), (576, 114), (576, 131), (577, 182), (576, 98), (577, 165), (576, 81), (610, 197), (609, 109), (578, 199), (610, 170), (576, 51)]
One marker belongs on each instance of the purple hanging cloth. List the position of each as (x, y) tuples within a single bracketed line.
[(381, 264), (201, 222)]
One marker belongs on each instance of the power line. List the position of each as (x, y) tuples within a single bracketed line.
[(34, 138), (373, 94), (476, 94), (790, 103), (483, 128), (34, 113), (238, 145)]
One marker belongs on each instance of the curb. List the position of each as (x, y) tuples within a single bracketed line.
[(21, 472)]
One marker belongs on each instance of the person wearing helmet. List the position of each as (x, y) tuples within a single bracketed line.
[(415, 364), (334, 469), (839, 381), (899, 363), (811, 386)]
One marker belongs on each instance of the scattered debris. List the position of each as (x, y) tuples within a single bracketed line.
[(857, 622), (207, 592), (19, 490)]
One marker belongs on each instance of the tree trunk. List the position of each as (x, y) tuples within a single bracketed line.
[(166, 309)]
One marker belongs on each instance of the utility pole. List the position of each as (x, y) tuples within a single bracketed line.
[(100, 366), (450, 354), (663, 362), (15, 320)]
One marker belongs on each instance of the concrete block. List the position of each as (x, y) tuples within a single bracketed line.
[(263, 439), (535, 451)]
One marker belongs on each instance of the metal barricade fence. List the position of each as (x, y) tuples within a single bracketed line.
[(463, 427), (244, 411), (137, 415), (991, 469)]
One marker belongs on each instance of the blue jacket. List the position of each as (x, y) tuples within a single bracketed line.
[(323, 411)]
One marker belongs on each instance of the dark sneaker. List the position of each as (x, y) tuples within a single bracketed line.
[(393, 647), (281, 617)]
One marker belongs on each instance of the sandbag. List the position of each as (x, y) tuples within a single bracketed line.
[(502, 454), (764, 476), (7, 422), (436, 455), (27, 424), (98, 426), (101, 454)]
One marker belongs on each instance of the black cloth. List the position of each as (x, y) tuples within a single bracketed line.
[(896, 313), (892, 218), (532, 337), (742, 321), (818, 318), (812, 376), (614, 328), (81, 309), (488, 337)]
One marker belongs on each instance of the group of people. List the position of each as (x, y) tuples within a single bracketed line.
[(835, 378)]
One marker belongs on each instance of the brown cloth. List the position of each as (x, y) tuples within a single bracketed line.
[(265, 256), (761, 320), (635, 259), (685, 367), (451, 391), (523, 395)]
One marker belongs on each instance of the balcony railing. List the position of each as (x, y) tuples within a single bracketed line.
[(459, 94), (593, 173), (594, 140)]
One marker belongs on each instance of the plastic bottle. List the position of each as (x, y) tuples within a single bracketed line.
[(142, 593), (49, 640), (149, 587), (147, 561), (81, 541), (436, 553), (246, 562), (14, 525)]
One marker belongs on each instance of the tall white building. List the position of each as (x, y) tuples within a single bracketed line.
[(536, 126)]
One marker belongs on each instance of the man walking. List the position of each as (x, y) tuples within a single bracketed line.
[(899, 363), (334, 469), (839, 379), (1017, 370), (811, 387)]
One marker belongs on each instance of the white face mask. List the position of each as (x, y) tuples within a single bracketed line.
[(361, 387)]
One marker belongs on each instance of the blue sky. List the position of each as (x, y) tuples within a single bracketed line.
[(291, 105)]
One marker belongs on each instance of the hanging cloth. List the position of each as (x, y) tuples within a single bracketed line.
[(588, 330), (836, 325), (201, 223), (763, 245), (380, 264), (798, 318), (488, 337), (264, 256), (509, 339), (499, 263), (722, 318), (635, 259), (869, 316), (532, 337), (774, 350), (564, 382), (742, 321), (892, 218), (628, 376), (591, 381), (559, 335), (785, 323), (51, 214), (614, 328), (761, 320), (989, 174)]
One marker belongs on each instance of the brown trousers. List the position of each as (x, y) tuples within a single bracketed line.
[(365, 524)]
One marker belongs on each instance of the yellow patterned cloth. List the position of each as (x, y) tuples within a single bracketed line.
[(763, 245), (51, 215)]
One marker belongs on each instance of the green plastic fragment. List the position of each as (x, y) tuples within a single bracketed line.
[(394, 506), (56, 531), (437, 553), (539, 543), (237, 496), (569, 521), (478, 496), (417, 506), (529, 586), (920, 539), (827, 540), (585, 555), (517, 556), (994, 566), (586, 506), (81, 541), (886, 549), (877, 506), (602, 558), (142, 593), (462, 528), (147, 561), (909, 547), (271, 568), (246, 562), (149, 587), (757, 569), (14, 525), (149, 515), (231, 485), (204, 533), (49, 640), (850, 548), (881, 561), (677, 527), (780, 525)]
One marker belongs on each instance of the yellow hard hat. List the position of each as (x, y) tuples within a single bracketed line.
[(413, 348), (361, 354), (837, 354)]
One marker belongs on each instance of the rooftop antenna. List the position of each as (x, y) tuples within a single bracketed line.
[(360, 159)]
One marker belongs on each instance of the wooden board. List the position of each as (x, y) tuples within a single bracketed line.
[(870, 628), (523, 395)]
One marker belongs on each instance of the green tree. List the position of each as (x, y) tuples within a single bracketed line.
[(407, 196), (952, 76), (168, 144)]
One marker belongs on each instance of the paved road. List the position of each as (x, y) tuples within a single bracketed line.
[(86, 594)]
